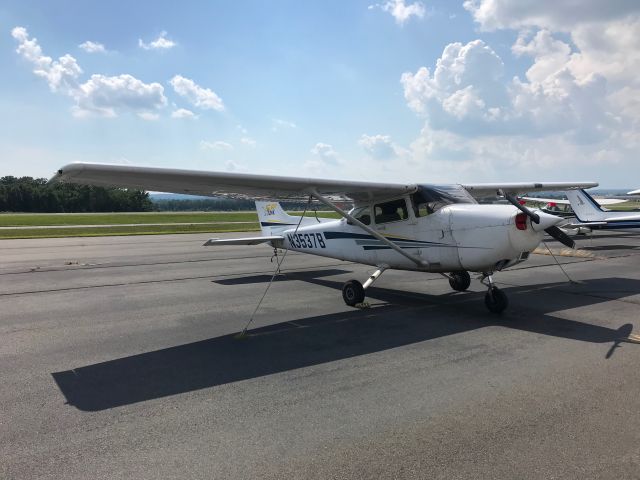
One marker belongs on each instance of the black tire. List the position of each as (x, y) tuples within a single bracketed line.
[(496, 300), (352, 293), (460, 281)]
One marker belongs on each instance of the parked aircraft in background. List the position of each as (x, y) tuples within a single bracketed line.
[(423, 227), (562, 207), (590, 214)]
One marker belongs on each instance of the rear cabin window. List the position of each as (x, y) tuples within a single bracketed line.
[(393, 211)]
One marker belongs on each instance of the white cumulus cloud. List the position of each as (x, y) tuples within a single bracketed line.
[(325, 152), (468, 94), (553, 14), (380, 147), (324, 161), (160, 43), (577, 105), (400, 10), (61, 75), (100, 95), (92, 47), (105, 96), (200, 97), (183, 113)]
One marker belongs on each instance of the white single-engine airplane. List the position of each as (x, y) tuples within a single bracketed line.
[(429, 228)]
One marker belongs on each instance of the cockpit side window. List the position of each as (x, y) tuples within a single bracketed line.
[(420, 206), (363, 214), (392, 211)]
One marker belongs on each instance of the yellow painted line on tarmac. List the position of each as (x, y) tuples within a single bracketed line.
[(565, 252)]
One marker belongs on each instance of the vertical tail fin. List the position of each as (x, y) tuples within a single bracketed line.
[(274, 220), (584, 206)]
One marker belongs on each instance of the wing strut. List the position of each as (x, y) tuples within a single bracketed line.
[(417, 260)]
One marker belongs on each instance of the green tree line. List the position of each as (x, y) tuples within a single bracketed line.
[(203, 205), (27, 194)]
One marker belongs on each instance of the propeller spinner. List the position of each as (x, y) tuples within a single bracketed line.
[(550, 220)]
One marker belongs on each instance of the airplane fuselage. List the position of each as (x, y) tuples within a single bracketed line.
[(457, 237)]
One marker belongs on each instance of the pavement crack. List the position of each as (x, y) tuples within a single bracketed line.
[(167, 280)]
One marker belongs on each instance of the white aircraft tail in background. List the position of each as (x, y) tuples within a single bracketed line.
[(591, 214)]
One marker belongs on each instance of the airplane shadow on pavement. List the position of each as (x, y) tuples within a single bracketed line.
[(399, 320)]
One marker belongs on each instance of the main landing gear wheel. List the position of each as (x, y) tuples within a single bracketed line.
[(460, 281), (495, 300), (353, 293)]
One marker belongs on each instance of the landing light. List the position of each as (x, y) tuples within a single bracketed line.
[(521, 221)]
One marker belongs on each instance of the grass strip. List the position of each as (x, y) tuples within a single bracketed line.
[(137, 230), (53, 219)]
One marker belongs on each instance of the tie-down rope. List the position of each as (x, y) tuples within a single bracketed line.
[(278, 265)]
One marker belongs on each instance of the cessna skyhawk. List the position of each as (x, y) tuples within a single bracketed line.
[(428, 228)]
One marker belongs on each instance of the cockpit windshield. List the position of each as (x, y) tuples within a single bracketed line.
[(431, 198)]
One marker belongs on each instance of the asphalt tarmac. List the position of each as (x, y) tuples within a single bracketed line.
[(118, 361)]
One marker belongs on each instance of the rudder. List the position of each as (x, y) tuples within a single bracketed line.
[(584, 206)]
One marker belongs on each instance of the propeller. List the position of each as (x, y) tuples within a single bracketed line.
[(553, 230), (562, 237)]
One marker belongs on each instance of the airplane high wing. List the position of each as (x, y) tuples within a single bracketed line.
[(412, 226), (206, 183), (194, 182)]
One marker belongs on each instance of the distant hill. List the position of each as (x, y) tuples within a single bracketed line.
[(611, 192), (158, 197)]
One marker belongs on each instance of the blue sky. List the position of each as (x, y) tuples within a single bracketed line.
[(329, 89)]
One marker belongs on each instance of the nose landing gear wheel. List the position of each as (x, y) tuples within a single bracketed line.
[(353, 293), (460, 281), (495, 300)]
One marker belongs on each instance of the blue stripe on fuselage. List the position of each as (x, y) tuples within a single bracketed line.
[(362, 236)]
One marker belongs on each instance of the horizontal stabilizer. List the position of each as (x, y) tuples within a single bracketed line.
[(624, 218), (586, 224), (242, 241)]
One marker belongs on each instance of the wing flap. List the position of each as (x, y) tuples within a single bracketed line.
[(212, 242)]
